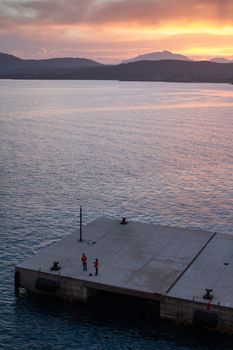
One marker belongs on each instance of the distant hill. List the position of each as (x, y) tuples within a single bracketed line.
[(221, 60), (13, 65), (157, 56), (6, 59), (162, 70)]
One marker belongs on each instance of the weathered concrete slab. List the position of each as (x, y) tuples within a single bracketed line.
[(135, 257), (212, 269)]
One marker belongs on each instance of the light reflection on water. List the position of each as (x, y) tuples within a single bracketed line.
[(154, 152)]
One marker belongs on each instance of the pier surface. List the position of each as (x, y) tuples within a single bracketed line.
[(169, 265)]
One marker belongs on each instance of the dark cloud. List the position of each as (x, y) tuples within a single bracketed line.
[(45, 11)]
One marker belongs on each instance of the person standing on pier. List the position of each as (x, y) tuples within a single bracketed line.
[(96, 266), (84, 261)]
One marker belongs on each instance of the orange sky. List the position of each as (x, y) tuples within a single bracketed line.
[(113, 30)]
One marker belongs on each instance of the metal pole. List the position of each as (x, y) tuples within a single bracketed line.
[(80, 225)]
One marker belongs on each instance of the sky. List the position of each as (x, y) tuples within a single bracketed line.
[(110, 31)]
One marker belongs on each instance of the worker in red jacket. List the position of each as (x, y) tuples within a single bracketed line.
[(84, 262), (96, 266)]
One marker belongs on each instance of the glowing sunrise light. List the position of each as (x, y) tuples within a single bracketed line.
[(228, 51)]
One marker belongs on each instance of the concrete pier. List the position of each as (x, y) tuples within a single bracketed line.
[(169, 265)]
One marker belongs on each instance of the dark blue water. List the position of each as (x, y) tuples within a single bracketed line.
[(153, 152)]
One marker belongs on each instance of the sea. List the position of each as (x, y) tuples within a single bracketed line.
[(153, 152)]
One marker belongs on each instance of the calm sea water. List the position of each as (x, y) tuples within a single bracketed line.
[(153, 152)]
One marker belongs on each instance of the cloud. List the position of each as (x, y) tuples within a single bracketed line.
[(155, 12), (114, 28), (127, 12)]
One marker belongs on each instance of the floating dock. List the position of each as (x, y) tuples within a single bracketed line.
[(189, 273)]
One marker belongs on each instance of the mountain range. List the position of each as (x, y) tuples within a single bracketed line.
[(170, 70), (10, 64)]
